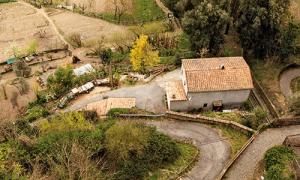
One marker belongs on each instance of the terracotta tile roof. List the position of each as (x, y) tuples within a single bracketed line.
[(102, 107), (175, 91), (207, 74)]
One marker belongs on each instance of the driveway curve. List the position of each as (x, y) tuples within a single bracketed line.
[(286, 79), (214, 151), (148, 96), (245, 165)]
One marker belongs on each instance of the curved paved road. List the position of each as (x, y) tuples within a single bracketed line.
[(285, 81), (214, 153), (244, 167), (149, 96)]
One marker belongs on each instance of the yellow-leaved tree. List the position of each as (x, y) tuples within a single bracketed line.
[(142, 55)]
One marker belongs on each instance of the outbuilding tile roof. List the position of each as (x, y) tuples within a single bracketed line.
[(217, 74), (175, 91)]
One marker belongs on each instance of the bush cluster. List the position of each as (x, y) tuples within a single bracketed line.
[(71, 146), (277, 163), (255, 118)]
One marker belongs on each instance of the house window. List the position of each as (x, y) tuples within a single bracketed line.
[(205, 105)]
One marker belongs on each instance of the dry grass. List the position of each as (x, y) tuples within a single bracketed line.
[(267, 73), (90, 29)]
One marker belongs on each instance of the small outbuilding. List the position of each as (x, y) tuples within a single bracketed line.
[(210, 83), (87, 68)]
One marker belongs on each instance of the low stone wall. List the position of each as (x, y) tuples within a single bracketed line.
[(141, 115), (208, 120), (287, 121), (232, 161)]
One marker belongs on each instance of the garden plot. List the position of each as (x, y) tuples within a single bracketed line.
[(22, 25), (99, 6), (90, 29)]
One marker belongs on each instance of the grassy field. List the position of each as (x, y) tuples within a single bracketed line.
[(230, 116), (295, 85), (188, 152), (143, 11), (236, 138)]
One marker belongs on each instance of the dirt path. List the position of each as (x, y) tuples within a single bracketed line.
[(245, 166), (214, 152), (51, 23), (166, 10), (286, 79)]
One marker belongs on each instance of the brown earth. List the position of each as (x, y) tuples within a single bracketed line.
[(20, 25), (90, 29)]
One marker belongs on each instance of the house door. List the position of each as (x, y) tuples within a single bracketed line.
[(218, 105)]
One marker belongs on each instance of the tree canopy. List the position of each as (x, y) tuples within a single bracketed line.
[(264, 27), (142, 55), (205, 25)]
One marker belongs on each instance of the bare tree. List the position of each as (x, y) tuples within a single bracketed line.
[(120, 8), (14, 99)]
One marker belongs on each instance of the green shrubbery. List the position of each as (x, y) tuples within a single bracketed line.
[(139, 149), (35, 113), (255, 118), (70, 146), (278, 162), (117, 111)]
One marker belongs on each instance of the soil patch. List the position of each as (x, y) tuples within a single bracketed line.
[(20, 25), (90, 29)]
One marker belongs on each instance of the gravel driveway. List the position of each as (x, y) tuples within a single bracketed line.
[(244, 167), (214, 152), (149, 96), (286, 79)]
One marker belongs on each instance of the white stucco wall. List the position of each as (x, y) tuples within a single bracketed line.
[(197, 100)]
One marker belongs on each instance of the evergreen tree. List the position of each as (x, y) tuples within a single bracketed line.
[(260, 25), (205, 26)]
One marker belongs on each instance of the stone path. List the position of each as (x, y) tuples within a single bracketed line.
[(245, 165)]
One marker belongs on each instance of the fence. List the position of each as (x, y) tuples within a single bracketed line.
[(287, 121), (265, 99), (208, 120), (232, 161)]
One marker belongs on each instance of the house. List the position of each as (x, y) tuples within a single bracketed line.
[(210, 83)]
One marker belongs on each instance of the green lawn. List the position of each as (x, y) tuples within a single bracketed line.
[(236, 138), (143, 11), (188, 152)]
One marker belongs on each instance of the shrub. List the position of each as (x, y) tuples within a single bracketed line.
[(254, 119), (161, 150), (66, 122), (13, 159), (90, 140), (117, 111), (75, 40), (62, 81), (124, 140), (155, 151), (277, 162), (35, 113), (260, 113)]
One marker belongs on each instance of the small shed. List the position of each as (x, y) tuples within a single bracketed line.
[(87, 68)]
